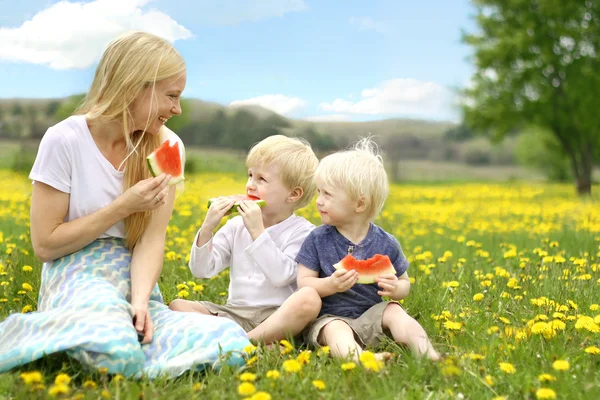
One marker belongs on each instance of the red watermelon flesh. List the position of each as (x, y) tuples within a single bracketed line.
[(368, 270), (238, 199), (167, 159)]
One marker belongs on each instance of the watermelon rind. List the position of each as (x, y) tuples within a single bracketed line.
[(367, 279), (235, 209), (155, 169)]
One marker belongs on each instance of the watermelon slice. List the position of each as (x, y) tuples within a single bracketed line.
[(167, 159), (368, 270), (238, 199)]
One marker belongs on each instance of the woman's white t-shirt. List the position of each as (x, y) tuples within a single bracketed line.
[(69, 160)]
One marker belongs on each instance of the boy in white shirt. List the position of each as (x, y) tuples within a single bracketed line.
[(261, 245)]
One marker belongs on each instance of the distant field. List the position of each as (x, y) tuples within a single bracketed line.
[(220, 160)]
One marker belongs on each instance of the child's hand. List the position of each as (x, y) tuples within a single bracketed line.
[(388, 284), (342, 280), (216, 212), (252, 216)]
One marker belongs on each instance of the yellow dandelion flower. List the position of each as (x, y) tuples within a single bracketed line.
[(348, 366), (246, 389), (292, 366), (507, 367), (287, 347), (545, 393), (561, 365), (60, 389), (451, 370), (453, 326), (62, 379), (319, 384), (489, 380), (26, 309), (27, 287), (252, 360), (27, 268), (106, 394), (370, 362), (546, 378), (478, 297), (261, 396), (250, 349), (247, 377), (592, 350), (323, 351), (89, 385), (273, 374), (31, 377), (197, 387), (304, 357)]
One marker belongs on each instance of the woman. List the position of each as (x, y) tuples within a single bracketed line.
[(98, 222)]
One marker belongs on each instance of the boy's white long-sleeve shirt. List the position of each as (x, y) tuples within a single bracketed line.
[(263, 272)]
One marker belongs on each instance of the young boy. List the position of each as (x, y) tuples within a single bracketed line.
[(352, 188), (261, 245)]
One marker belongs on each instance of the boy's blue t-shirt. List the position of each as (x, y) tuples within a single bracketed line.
[(325, 246)]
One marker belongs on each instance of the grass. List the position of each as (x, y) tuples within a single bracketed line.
[(505, 275)]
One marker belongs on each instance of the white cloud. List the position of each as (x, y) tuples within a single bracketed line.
[(231, 12), (398, 97), (328, 118), (368, 24), (279, 103), (73, 35)]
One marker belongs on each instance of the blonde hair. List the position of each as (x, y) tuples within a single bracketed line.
[(130, 64), (296, 160), (360, 173)]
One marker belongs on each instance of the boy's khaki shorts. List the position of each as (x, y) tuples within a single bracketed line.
[(248, 317), (368, 329)]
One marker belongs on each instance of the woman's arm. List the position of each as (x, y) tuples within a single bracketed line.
[(52, 238), (147, 263)]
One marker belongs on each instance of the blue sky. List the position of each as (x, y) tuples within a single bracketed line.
[(307, 59)]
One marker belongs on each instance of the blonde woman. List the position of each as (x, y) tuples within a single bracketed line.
[(98, 222)]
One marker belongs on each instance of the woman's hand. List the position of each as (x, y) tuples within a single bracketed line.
[(143, 322), (146, 195)]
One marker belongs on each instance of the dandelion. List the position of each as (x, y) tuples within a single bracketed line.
[(489, 380), (27, 268), (31, 377), (197, 387), (370, 362), (89, 385), (250, 349), (27, 287), (246, 389), (26, 309), (592, 350), (261, 396), (59, 389), (348, 366), (287, 347), (561, 365), (545, 393), (453, 326), (304, 357), (478, 297), (320, 385), (273, 374), (546, 378), (507, 368), (292, 366), (62, 379), (247, 377)]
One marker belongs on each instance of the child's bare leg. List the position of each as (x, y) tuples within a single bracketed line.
[(407, 330), (340, 338), (188, 306), (294, 314)]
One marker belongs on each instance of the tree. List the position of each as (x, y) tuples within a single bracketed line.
[(537, 63), (68, 107)]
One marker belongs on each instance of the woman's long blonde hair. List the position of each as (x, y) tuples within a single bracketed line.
[(130, 64)]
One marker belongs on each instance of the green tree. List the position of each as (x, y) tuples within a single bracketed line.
[(537, 63), (68, 107), (541, 150), (178, 122)]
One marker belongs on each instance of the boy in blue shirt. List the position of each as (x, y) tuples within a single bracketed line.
[(352, 188)]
